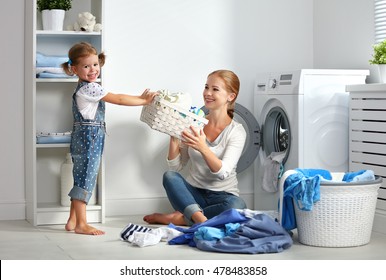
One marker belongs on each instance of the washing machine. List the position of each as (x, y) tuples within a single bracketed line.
[(304, 115)]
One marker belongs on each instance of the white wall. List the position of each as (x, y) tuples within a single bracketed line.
[(12, 194), (174, 44), (344, 35)]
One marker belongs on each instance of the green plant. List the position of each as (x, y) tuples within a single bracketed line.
[(379, 56), (53, 4)]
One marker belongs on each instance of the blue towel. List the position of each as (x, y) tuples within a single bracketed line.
[(359, 176), (368, 175), (53, 75), (288, 220), (350, 175), (314, 172), (53, 139), (228, 216), (49, 61), (303, 187), (212, 233), (209, 233)]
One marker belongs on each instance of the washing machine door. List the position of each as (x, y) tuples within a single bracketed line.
[(252, 144), (276, 133)]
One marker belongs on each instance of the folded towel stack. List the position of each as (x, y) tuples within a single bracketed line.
[(50, 66), (53, 137)]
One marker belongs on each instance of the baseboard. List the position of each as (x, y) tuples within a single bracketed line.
[(16, 210), (379, 224), (12, 210), (137, 206), (141, 206)]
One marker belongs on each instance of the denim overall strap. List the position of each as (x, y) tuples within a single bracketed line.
[(78, 118), (87, 143)]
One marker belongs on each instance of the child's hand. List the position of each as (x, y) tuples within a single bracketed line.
[(148, 96)]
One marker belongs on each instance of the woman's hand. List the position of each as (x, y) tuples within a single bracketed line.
[(195, 138)]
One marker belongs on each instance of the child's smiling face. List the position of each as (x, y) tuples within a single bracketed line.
[(88, 68)]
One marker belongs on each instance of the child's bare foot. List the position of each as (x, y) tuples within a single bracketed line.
[(176, 218), (87, 229), (70, 226)]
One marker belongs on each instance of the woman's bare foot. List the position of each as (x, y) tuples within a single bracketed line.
[(175, 218), (87, 229)]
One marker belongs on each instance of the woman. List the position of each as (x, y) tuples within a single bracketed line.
[(211, 185)]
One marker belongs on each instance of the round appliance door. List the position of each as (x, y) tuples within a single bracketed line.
[(276, 133), (252, 144)]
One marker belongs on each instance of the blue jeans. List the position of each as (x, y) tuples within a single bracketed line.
[(87, 144), (188, 199)]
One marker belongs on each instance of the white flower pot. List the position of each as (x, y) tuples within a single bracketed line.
[(53, 19), (382, 73)]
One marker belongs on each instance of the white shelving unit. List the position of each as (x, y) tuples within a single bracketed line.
[(48, 109), (367, 136)]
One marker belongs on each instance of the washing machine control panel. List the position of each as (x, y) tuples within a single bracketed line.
[(285, 79), (272, 83), (278, 83)]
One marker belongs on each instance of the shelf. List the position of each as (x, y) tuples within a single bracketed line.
[(53, 80), (49, 207), (50, 33), (51, 214), (63, 80)]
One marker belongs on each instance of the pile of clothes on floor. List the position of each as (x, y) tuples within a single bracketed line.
[(233, 231)]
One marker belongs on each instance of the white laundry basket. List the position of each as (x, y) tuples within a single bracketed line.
[(169, 118), (343, 217)]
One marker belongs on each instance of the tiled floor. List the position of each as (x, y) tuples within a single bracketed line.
[(19, 240)]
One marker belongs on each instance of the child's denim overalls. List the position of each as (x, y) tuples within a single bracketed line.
[(87, 142)]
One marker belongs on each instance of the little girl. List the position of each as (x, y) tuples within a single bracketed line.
[(88, 135)]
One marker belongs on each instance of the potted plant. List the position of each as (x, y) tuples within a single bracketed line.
[(53, 12), (379, 58)]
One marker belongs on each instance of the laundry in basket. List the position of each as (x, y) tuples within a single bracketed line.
[(341, 215), (169, 113)]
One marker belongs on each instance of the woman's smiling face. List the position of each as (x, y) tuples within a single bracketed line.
[(215, 93)]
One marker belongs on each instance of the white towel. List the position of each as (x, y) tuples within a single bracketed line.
[(183, 100), (54, 70), (153, 237), (271, 172)]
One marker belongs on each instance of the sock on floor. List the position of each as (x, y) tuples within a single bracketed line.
[(143, 239), (130, 229), (153, 237)]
